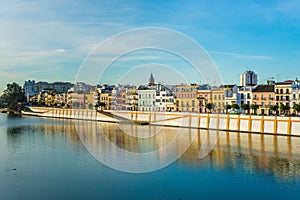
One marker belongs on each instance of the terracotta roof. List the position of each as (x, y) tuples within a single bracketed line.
[(264, 88), (287, 82)]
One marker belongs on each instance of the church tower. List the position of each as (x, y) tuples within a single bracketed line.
[(151, 80)]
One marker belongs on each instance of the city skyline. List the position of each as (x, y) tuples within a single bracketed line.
[(48, 41)]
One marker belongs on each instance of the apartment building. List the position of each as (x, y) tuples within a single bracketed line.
[(263, 96)]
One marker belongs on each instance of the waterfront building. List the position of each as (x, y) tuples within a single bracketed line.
[(204, 96), (89, 100), (96, 97), (164, 99), (61, 100), (131, 99), (106, 98), (263, 96), (218, 97), (231, 95), (32, 88), (47, 97), (76, 100), (295, 93), (116, 98), (283, 92), (248, 78), (186, 98), (245, 95), (146, 99)]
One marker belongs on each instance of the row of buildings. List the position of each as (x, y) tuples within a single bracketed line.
[(158, 97)]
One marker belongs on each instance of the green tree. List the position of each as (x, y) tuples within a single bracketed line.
[(235, 106), (254, 107), (274, 108), (245, 107), (14, 95), (227, 107), (101, 105), (296, 108), (284, 109), (209, 106)]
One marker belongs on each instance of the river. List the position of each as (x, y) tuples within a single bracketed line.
[(43, 158)]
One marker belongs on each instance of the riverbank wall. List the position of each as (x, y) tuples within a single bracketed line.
[(239, 123)]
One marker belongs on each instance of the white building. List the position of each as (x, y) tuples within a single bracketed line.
[(295, 93), (164, 99), (245, 95), (147, 100), (231, 95), (248, 78)]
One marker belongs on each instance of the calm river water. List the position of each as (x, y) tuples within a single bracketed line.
[(47, 159)]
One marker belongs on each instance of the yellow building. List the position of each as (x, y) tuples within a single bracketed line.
[(186, 98), (218, 99), (282, 92), (204, 96), (106, 98), (89, 100)]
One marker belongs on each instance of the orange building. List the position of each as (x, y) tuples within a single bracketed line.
[(263, 95)]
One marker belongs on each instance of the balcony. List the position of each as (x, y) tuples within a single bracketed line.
[(255, 98), (263, 98)]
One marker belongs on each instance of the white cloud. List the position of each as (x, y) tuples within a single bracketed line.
[(241, 56)]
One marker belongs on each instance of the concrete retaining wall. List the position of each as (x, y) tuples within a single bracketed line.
[(243, 123)]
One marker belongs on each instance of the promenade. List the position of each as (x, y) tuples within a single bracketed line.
[(240, 123)]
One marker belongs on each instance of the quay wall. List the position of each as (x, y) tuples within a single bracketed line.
[(241, 123)]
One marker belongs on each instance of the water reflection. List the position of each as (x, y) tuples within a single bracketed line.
[(253, 153), (271, 155)]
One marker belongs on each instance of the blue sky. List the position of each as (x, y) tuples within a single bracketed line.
[(49, 40)]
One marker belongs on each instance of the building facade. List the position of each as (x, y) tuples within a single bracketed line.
[(204, 96), (295, 93), (263, 96), (186, 98), (248, 78), (147, 100), (283, 92)]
